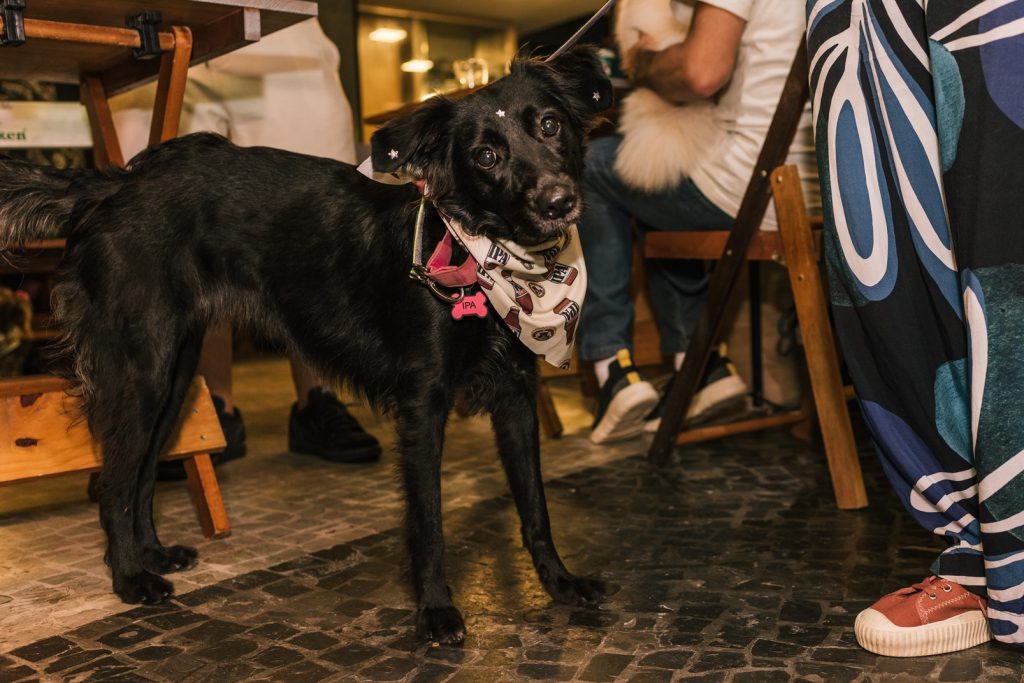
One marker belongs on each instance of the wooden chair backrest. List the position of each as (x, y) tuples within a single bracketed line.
[(776, 146)]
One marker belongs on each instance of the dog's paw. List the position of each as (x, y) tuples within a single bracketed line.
[(168, 560), (440, 625), (144, 588), (570, 590)]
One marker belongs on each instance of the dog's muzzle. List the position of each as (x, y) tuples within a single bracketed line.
[(556, 201)]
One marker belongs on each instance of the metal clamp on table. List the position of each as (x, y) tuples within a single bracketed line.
[(146, 24), (13, 14)]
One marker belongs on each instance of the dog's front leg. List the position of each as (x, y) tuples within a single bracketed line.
[(514, 416), (420, 422)]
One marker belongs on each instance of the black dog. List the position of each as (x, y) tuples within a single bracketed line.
[(309, 251)]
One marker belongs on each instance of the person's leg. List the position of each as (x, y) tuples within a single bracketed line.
[(215, 365), (605, 230), (606, 326), (982, 173), (320, 424), (917, 345), (305, 112), (305, 380), (677, 287), (898, 318)]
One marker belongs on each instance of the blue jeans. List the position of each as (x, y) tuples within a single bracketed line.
[(677, 287)]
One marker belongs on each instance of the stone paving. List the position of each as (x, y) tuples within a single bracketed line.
[(733, 565)]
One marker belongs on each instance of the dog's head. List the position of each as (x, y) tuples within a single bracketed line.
[(507, 160)]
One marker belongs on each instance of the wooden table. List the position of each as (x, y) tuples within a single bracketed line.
[(98, 36), (88, 43)]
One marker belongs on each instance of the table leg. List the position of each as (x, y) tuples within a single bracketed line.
[(106, 148), (170, 97), (170, 89)]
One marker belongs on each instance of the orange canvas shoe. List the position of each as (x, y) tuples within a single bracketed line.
[(929, 618)]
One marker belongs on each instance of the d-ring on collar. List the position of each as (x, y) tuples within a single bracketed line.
[(446, 282)]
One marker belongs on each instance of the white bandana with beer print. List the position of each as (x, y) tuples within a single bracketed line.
[(538, 290)]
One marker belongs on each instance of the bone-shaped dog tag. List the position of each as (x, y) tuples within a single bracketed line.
[(470, 306)]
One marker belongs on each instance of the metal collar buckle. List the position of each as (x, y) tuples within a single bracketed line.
[(448, 296)]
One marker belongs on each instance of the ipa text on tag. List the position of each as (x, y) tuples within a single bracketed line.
[(470, 306)]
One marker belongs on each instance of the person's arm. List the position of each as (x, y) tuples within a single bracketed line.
[(698, 67)]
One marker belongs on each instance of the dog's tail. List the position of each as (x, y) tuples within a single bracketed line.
[(36, 202)]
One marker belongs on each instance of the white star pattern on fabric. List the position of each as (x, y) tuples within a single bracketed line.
[(393, 154), (500, 113), (597, 96)]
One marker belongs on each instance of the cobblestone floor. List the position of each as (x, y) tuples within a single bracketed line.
[(733, 565)]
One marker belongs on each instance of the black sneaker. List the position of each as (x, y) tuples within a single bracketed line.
[(721, 391), (625, 398), (324, 428), (234, 434)]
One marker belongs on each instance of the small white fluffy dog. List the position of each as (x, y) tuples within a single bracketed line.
[(661, 141)]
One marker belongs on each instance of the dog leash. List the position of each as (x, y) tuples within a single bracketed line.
[(575, 38)]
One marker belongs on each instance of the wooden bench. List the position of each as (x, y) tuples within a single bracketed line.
[(42, 434)]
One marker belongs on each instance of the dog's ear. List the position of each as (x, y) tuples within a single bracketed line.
[(583, 80), (413, 140)]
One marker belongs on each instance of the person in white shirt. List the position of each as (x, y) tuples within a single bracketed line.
[(733, 63)]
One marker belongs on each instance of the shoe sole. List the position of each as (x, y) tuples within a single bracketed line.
[(877, 634), (714, 399), (624, 418)]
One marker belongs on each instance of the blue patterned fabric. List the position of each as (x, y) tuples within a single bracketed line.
[(919, 126)]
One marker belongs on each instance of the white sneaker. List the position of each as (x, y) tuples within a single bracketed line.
[(721, 391), (626, 398)]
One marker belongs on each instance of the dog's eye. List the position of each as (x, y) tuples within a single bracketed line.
[(549, 125), (486, 158)]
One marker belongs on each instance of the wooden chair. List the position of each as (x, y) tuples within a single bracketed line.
[(550, 423), (797, 245)]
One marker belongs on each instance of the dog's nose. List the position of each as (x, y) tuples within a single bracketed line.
[(557, 201)]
